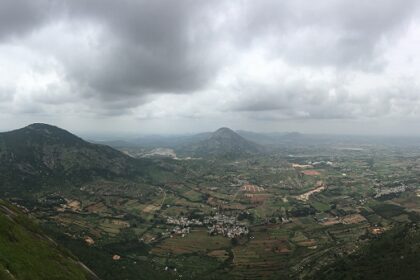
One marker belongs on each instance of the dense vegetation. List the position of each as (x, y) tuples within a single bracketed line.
[(43, 156), (394, 255)]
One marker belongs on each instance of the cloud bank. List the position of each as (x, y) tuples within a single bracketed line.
[(183, 65)]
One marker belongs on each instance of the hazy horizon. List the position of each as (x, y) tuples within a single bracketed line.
[(133, 135)]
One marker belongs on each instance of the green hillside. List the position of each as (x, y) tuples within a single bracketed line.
[(42, 155), (394, 255), (26, 253)]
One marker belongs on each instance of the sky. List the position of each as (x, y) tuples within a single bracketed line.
[(185, 66)]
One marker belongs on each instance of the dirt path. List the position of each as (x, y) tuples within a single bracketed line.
[(164, 197), (235, 195), (305, 196)]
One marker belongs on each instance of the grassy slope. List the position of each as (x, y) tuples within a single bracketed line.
[(395, 255), (26, 253)]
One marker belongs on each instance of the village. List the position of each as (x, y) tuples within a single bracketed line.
[(388, 191), (218, 224)]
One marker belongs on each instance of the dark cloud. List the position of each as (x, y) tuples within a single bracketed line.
[(169, 46), (145, 46), (265, 59), (18, 17), (153, 46)]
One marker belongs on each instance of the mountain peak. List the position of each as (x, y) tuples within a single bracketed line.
[(40, 126), (224, 142), (224, 131), (43, 127), (49, 133)]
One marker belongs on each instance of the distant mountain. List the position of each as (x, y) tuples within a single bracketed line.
[(154, 141), (270, 139), (41, 154), (168, 141), (179, 142), (27, 253), (114, 143), (223, 143)]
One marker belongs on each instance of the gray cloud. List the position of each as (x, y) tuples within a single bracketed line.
[(329, 101), (143, 46), (18, 17), (152, 46), (333, 32), (257, 59)]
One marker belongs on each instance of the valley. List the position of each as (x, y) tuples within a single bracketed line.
[(284, 213)]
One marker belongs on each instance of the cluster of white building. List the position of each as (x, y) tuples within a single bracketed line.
[(220, 219), (386, 191), (218, 224), (228, 230), (225, 225), (180, 230), (183, 221)]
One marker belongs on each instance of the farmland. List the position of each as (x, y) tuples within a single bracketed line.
[(265, 217)]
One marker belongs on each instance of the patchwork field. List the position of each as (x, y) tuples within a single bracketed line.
[(259, 218), (198, 241)]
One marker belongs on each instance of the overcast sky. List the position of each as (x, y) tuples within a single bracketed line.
[(325, 66)]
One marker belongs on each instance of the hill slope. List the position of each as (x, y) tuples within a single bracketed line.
[(394, 255), (224, 142), (41, 154), (26, 253)]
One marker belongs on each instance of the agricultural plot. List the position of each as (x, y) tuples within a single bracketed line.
[(198, 241), (298, 217), (261, 256)]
